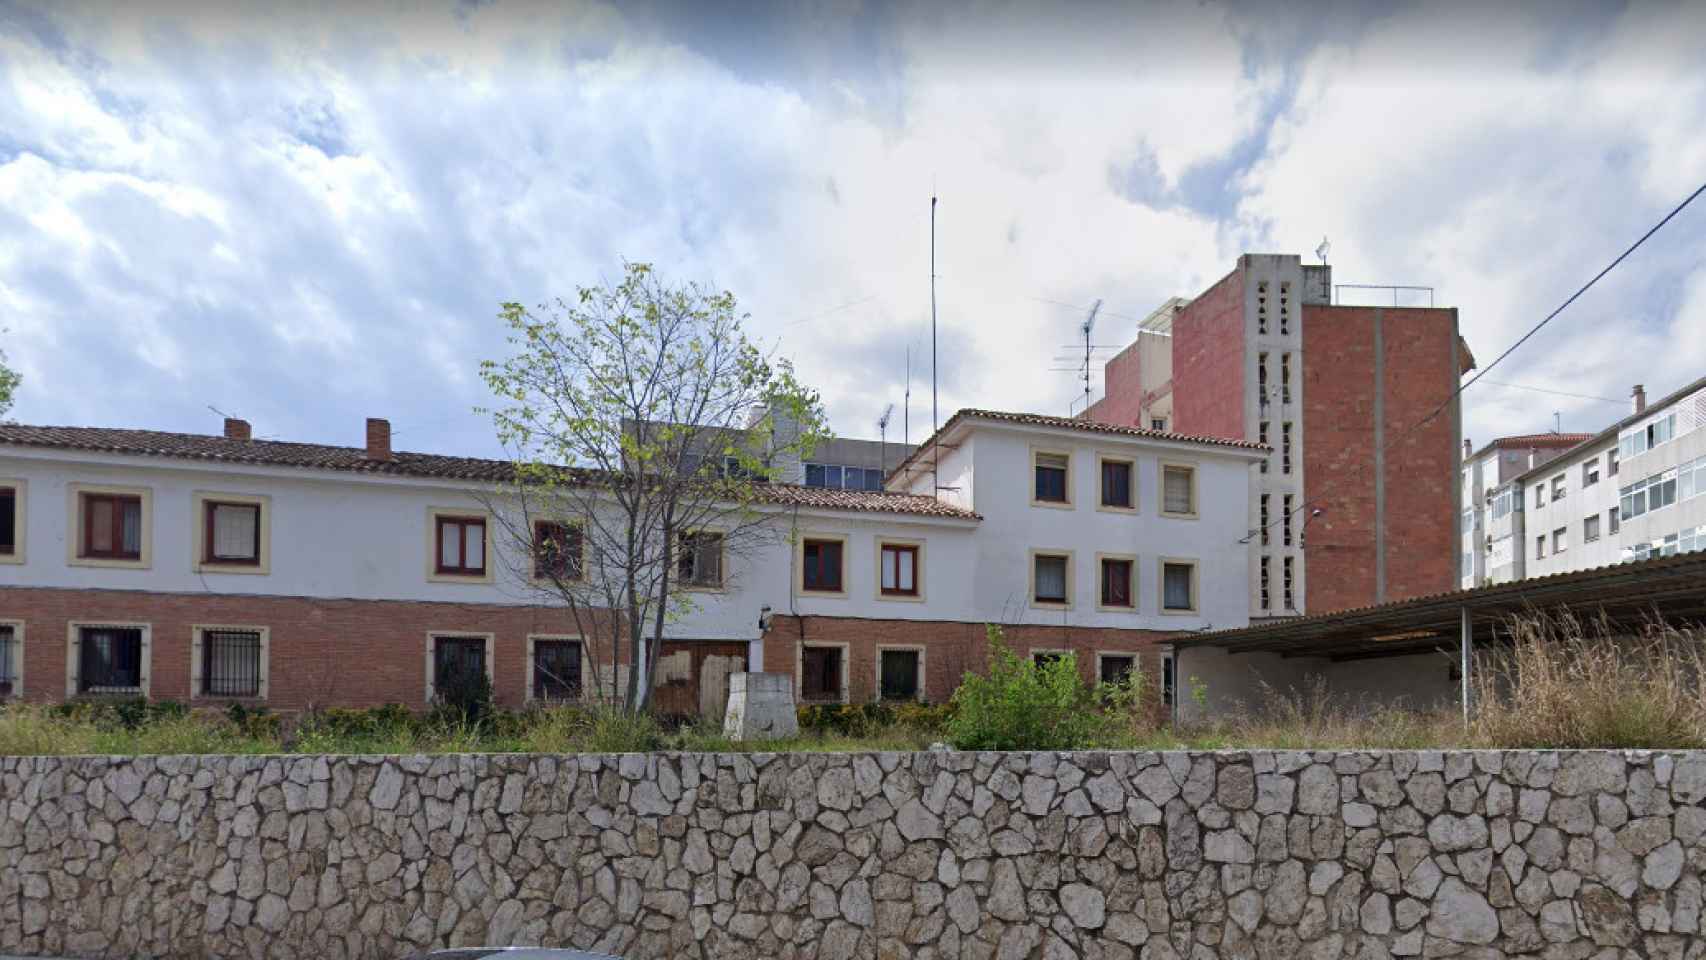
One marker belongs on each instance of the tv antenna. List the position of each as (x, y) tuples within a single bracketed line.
[(1081, 366), (883, 438), (1323, 249), (906, 402), (935, 422)]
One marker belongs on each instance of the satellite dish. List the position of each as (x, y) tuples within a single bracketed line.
[(1323, 249)]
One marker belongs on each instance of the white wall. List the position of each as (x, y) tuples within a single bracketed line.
[(1012, 526), (1689, 444), (1579, 502)]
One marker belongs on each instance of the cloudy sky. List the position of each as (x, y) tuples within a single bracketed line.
[(308, 219)]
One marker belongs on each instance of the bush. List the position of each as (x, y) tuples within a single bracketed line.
[(1021, 705)]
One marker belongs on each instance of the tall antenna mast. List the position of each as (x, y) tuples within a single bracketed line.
[(935, 422), (883, 438), (906, 403), (1086, 328)]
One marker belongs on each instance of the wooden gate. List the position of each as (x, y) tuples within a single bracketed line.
[(693, 676)]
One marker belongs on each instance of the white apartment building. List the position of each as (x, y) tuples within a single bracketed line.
[(1486, 552), (1630, 492), (212, 569)]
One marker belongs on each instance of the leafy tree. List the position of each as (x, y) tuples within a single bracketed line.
[(640, 416)]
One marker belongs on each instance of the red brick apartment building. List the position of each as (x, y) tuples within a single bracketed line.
[(1358, 502)]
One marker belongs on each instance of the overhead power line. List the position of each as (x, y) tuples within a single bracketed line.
[(1556, 393), (1446, 403)]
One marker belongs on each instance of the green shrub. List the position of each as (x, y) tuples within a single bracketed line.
[(612, 730), (464, 696), (1022, 705)]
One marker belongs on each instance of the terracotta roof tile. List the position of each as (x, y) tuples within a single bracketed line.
[(275, 453), (1073, 423)]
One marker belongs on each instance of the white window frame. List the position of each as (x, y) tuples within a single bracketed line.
[(74, 646), (917, 569), (1594, 518), (74, 543), (1066, 504), (1132, 475), (1031, 578), (877, 669), (18, 651), (198, 547), (20, 515), (488, 574), (1132, 586), (432, 637), (1161, 565), (1161, 489), (196, 632)]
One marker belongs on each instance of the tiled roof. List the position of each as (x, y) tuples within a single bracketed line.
[(1073, 423), (275, 453), (1541, 440)]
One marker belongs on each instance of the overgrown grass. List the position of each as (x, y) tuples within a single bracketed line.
[(1560, 683)]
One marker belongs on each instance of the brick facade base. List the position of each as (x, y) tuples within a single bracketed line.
[(360, 653), (951, 649)]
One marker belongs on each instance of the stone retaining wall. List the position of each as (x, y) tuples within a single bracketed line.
[(923, 856)]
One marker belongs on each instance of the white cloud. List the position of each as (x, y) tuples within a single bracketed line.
[(309, 219)]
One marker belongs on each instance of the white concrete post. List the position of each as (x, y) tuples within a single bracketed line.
[(1467, 651)]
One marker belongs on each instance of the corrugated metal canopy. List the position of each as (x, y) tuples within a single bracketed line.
[(1670, 587)]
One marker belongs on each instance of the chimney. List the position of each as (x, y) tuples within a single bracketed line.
[(236, 429), (378, 439), (1468, 448), (1640, 398)]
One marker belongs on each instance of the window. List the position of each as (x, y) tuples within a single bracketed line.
[(1558, 487), (899, 570), (1540, 546), (1285, 308), (1590, 529), (1644, 496), (556, 669), (843, 477), (1116, 484), (1540, 495), (1590, 473), (1467, 522), (1613, 521), (1267, 574), (1560, 540), (1285, 448), (1116, 667), (820, 673), (1290, 581), (459, 663), (558, 550), (9, 522), (700, 560), (1285, 522), (1178, 586), (1502, 502), (229, 662), (1611, 463), (1691, 479), (112, 526), (1262, 308), (1262, 379), (900, 674), (1043, 658), (231, 533), (1262, 438), (1168, 675), (1158, 423), (1178, 490), (109, 660), (1285, 378), (11, 659), (1049, 578), (1116, 582), (1263, 517), (461, 546), (1051, 477), (820, 569)]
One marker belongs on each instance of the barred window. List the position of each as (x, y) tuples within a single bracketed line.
[(109, 660), (10, 655), (231, 663), (556, 670)]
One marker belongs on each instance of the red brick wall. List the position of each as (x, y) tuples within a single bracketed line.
[(1122, 389), (328, 652), (951, 648), (1338, 453), (1208, 361)]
